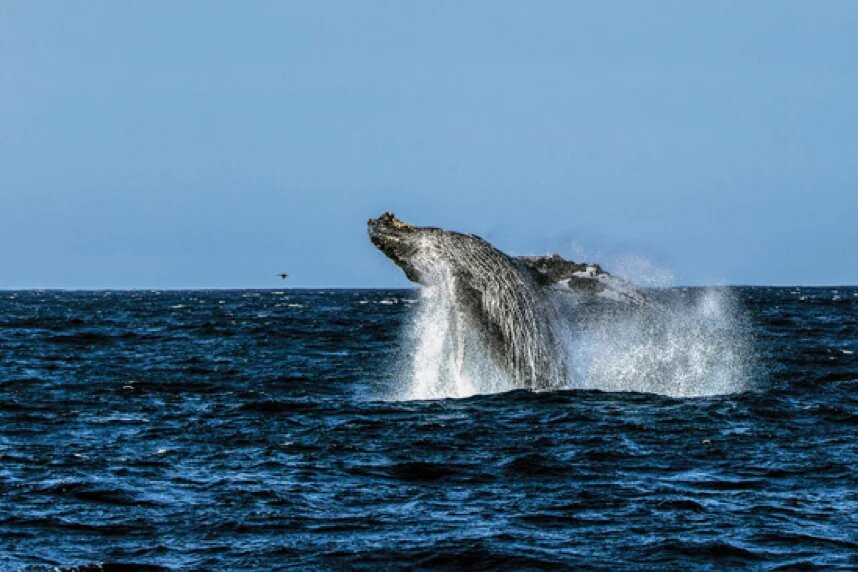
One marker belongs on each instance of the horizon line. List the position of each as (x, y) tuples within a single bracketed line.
[(414, 287)]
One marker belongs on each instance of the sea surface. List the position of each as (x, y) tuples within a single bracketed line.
[(242, 430)]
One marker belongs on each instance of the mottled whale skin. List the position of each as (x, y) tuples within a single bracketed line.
[(507, 297)]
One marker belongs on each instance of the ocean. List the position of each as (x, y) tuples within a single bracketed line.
[(314, 429)]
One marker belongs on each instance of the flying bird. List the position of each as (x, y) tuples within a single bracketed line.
[(283, 275)]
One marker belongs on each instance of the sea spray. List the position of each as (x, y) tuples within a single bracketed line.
[(685, 343), (450, 354), (449, 359)]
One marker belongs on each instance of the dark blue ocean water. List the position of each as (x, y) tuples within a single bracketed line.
[(249, 430)]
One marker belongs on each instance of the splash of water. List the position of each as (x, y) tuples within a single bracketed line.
[(690, 344), (686, 344), (439, 368)]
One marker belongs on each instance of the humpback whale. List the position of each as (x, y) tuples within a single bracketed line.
[(510, 300)]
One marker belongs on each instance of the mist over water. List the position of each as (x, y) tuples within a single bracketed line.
[(688, 342)]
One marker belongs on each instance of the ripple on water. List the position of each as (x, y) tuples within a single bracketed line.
[(218, 430)]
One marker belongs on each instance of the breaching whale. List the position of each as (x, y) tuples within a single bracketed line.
[(508, 299)]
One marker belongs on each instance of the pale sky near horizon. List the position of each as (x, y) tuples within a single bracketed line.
[(216, 144)]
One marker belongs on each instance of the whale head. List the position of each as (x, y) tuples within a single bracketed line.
[(400, 242)]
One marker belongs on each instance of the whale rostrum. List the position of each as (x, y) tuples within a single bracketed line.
[(507, 299)]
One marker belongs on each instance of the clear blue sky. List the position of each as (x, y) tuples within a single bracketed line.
[(215, 144)]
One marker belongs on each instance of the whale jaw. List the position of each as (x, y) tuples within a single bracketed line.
[(399, 241)]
